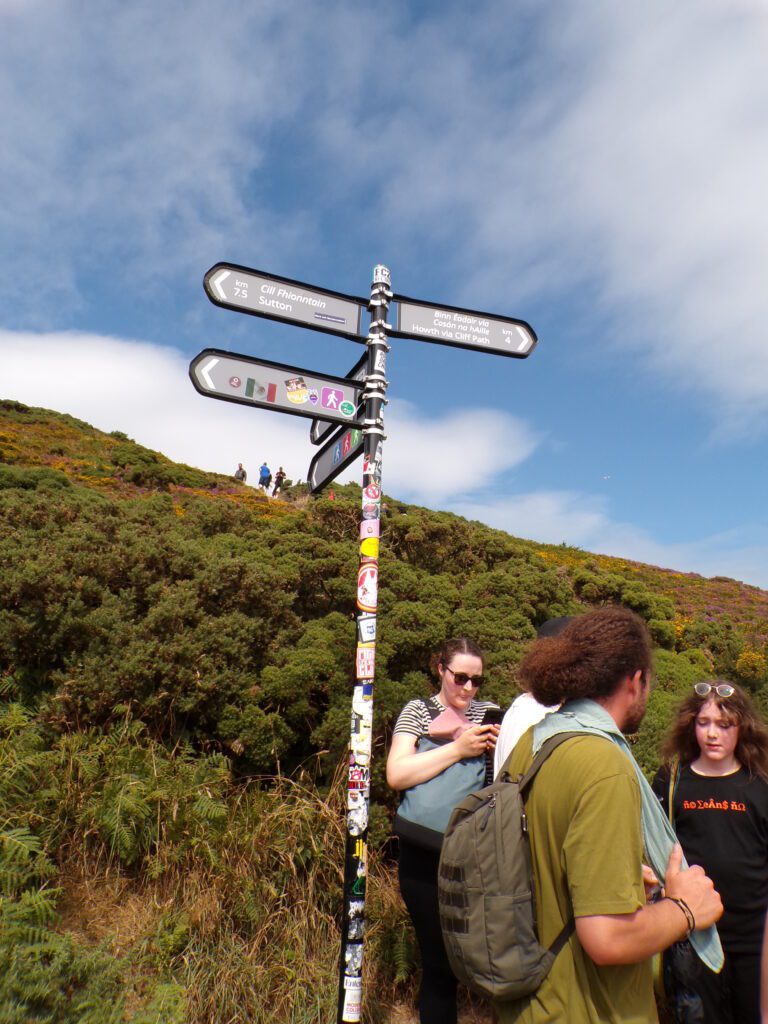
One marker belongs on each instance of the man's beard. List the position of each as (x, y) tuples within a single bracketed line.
[(634, 716)]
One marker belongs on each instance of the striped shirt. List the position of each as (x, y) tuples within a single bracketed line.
[(415, 720)]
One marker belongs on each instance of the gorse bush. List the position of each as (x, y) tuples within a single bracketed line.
[(176, 664), (14, 478)]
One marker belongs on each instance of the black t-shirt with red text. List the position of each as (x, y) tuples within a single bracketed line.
[(722, 824)]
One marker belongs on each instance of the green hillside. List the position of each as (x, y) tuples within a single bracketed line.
[(176, 662)]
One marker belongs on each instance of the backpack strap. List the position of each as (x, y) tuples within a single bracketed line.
[(431, 709), (524, 781), (546, 749), (674, 778)]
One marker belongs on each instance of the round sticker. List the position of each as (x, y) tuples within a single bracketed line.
[(296, 390), (235, 382), (367, 588), (369, 528), (347, 409)]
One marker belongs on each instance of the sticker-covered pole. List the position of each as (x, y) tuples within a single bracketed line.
[(359, 776)]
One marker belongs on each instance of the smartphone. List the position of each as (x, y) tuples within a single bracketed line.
[(492, 716)]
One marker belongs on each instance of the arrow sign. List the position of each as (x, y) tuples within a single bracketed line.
[(334, 457), (275, 386), (320, 429), (465, 328), (279, 298)]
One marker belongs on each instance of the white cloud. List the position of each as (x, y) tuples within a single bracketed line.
[(144, 390), (130, 136), (458, 453), (614, 162), (552, 517), (602, 156), (583, 520)]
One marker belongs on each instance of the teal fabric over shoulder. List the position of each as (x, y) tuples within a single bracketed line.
[(658, 835)]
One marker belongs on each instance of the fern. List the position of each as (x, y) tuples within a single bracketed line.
[(403, 954)]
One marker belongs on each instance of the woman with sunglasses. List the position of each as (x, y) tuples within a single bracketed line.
[(437, 757), (714, 786)]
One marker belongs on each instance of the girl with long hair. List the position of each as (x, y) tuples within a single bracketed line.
[(438, 756), (714, 787)]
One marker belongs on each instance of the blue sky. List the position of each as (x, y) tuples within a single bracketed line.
[(595, 168)]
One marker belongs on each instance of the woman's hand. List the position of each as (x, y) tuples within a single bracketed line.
[(477, 740), (493, 735), (407, 766)]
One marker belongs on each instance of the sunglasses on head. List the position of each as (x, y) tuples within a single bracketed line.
[(461, 678), (721, 689)]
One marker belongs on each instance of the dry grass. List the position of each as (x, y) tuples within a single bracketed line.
[(105, 907), (252, 935)]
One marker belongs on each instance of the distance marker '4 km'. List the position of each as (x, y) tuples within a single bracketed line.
[(465, 328)]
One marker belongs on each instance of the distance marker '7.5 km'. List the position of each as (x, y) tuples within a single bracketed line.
[(280, 298)]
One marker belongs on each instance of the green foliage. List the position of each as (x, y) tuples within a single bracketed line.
[(720, 640), (14, 478), (167, 1006), (600, 588), (9, 405), (166, 635), (44, 976), (662, 632), (145, 468), (674, 677), (751, 668)]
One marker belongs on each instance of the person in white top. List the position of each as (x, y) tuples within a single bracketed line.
[(525, 710)]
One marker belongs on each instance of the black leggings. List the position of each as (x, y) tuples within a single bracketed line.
[(418, 884)]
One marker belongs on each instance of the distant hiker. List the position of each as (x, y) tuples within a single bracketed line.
[(279, 478), (240, 473), (437, 757), (265, 475)]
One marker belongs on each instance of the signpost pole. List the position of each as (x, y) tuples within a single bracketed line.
[(359, 773)]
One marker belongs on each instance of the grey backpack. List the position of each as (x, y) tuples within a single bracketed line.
[(485, 890)]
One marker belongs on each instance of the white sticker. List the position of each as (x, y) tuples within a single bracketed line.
[(353, 1000), (366, 660), (367, 629)]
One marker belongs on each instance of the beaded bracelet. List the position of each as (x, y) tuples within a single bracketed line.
[(690, 919)]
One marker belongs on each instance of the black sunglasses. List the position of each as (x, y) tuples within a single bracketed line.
[(461, 678)]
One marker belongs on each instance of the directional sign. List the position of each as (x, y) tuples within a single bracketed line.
[(320, 429), (278, 298), (465, 328), (275, 386), (334, 457)]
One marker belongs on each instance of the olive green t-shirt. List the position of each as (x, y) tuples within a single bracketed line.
[(586, 844)]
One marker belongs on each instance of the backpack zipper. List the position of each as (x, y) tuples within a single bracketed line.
[(488, 812)]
